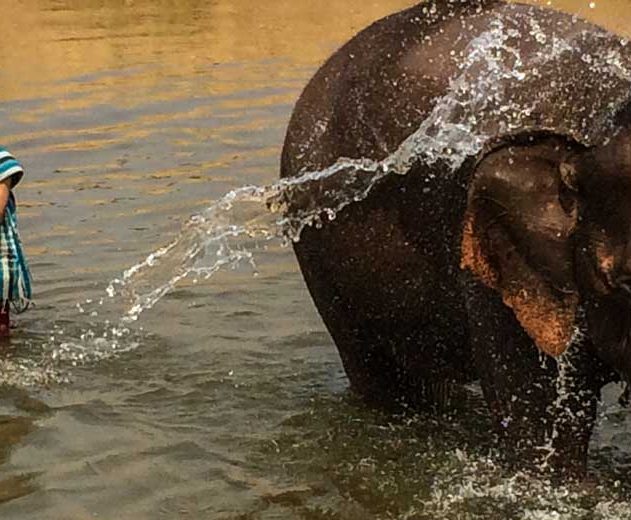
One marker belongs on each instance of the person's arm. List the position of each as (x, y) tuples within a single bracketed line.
[(5, 190)]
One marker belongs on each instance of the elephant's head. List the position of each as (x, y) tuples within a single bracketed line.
[(548, 225)]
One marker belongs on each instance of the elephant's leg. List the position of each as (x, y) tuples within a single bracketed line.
[(369, 365), (388, 358), (545, 408)]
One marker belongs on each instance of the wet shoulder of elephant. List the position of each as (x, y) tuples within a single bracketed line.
[(378, 88), (569, 87)]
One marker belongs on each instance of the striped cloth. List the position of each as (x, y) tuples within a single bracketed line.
[(15, 278)]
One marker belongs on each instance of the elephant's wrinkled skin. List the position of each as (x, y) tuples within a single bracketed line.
[(494, 269)]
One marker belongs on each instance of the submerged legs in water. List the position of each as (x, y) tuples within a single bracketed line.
[(4, 321)]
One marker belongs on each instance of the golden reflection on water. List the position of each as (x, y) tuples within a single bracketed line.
[(51, 40)]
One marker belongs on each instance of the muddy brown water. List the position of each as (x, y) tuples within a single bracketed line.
[(227, 399)]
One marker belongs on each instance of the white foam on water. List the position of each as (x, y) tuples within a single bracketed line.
[(464, 481)]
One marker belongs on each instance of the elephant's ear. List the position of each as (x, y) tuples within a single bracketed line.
[(517, 236)]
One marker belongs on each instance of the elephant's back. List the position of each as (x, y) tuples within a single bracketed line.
[(362, 102), (488, 67)]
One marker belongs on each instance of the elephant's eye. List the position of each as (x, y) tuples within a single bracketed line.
[(567, 198)]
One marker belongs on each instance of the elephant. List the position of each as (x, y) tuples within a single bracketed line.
[(492, 240)]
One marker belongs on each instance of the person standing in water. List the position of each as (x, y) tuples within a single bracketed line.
[(15, 277)]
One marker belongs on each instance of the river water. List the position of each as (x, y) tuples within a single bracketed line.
[(227, 398)]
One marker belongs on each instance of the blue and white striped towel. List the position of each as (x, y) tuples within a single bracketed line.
[(15, 278)]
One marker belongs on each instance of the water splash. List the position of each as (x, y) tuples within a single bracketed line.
[(450, 134), (562, 405), (470, 480), (417, 466), (484, 99)]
